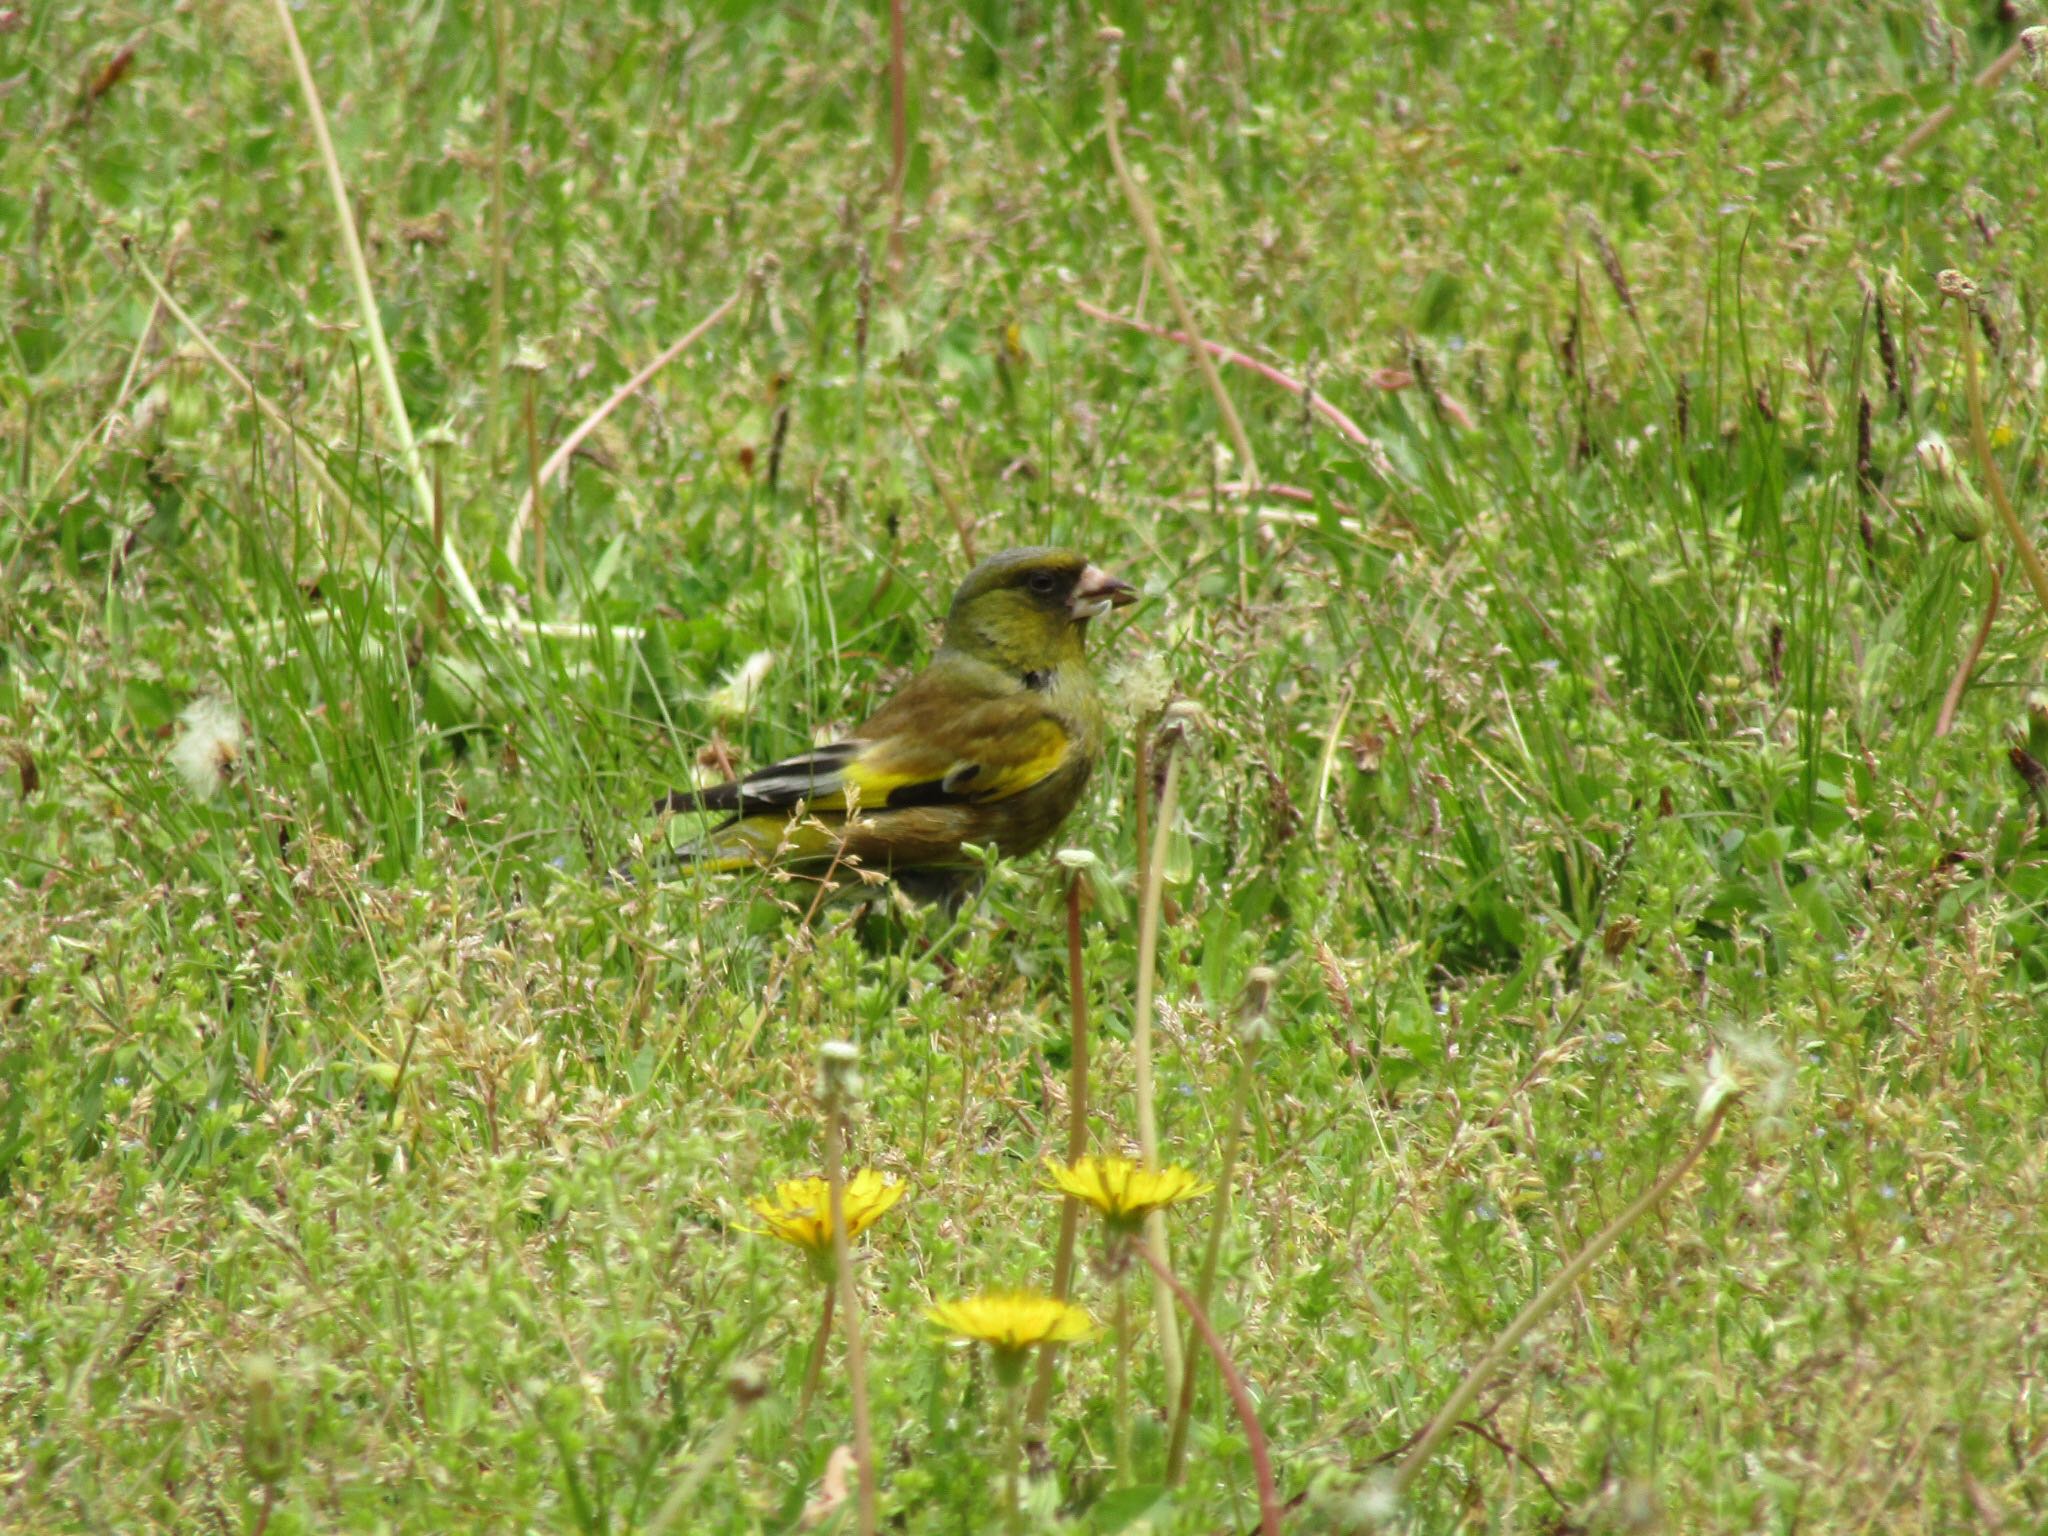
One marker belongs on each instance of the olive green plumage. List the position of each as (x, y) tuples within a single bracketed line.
[(991, 744)]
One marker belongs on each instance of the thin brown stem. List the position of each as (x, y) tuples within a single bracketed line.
[(1952, 700), (1336, 417), (1155, 249), (366, 307), (1141, 803), (533, 475), (1980, 441), (1123, 1377), (849, 1310), (1212, 1255), (816, 1366), (104, 432), (899, 133), (716, 1451), (1925, 130), (1141, 1052), (440, 592), (500, 145), (1560, 1286), (566, 449), (274, 413), (1328, 760), (1077, 1140), (963, 525), (1240, 1394)]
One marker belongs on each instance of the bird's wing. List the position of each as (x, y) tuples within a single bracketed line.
[(978, 752), (923, 748)]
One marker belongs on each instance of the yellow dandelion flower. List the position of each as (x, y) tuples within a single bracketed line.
[(1121, 1190), (1010, 1323), (800, 1211)]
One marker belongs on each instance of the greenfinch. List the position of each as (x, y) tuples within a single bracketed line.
[(991, 745)]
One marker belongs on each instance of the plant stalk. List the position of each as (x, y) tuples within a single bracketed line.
[(714, 1454), (566, 449), (1205, 1281), (899, 134), (1980, 441), (366, 309), (1077, 1141), (856, 1360), (540, 514), (1240, 1396), (1013, 1454), (1141, 1050), (1932, 124), (500, 147), (1123, 1377), (1155, 248), (1539, 1307), (816, 1365)]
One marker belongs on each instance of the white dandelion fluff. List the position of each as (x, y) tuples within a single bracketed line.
[(737, 694), (208, 750)]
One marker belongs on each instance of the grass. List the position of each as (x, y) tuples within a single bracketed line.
[(371, 1159)]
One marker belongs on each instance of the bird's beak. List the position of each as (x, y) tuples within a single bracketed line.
[(1097, 592)]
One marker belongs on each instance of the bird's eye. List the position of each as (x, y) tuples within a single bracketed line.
[(1044, 583)]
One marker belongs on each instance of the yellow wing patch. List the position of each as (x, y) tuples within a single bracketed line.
[(897, 773)]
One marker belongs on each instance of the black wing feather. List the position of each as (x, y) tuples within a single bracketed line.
[(778, 787)]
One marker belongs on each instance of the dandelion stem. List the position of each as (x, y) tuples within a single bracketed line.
[(1240, 1395), (1205, 1282), (1013, 1454), (1141, 1050), (842, 1263), (1141, 803), (816, 1365), (1123, 1378), (1560, 1286), (715, 1452), (1077, 1139)]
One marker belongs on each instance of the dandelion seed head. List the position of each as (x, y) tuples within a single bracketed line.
[(1136, 689), (209, 747), (736, 696)]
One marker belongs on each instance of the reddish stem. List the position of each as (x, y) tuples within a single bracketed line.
[(1299, 495), (1240, 1395), (1953, 699), (1386, 378)]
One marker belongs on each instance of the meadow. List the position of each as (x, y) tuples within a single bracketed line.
[(1570, 862)]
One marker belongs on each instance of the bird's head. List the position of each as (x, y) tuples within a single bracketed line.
[(1027, 609)]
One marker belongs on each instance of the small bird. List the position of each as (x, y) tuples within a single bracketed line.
[(991, 744)]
